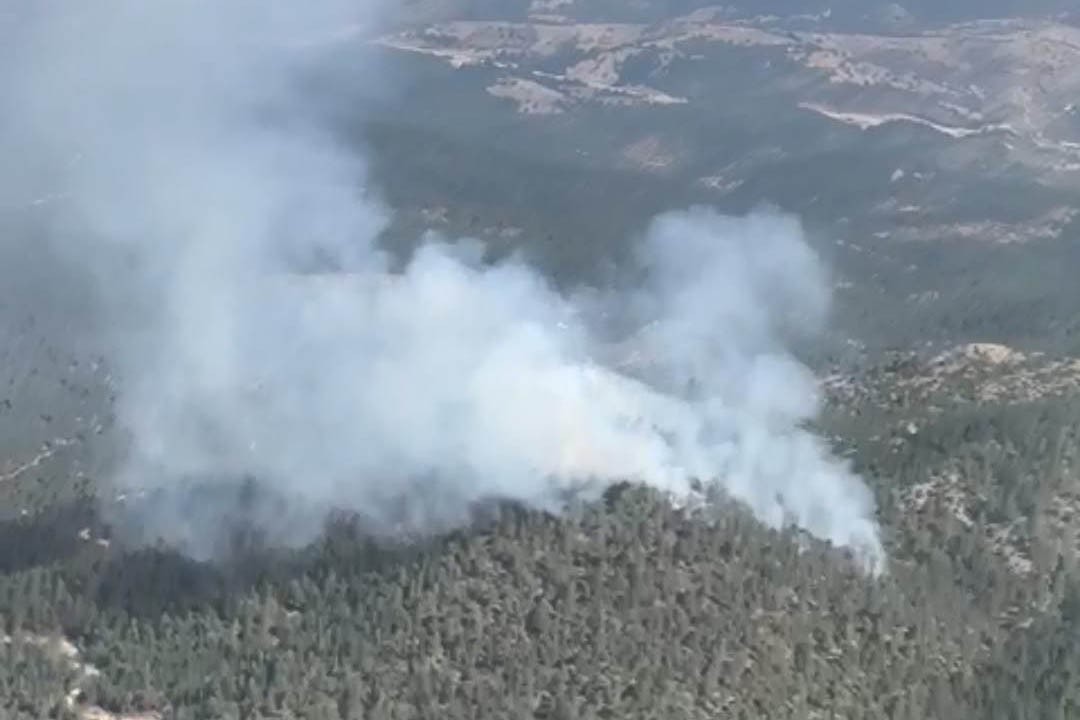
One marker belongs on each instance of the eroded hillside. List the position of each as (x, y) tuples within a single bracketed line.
[(1003, 86)]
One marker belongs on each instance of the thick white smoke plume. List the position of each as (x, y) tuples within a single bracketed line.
[(194, 184)]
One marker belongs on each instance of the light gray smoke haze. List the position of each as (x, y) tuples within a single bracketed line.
[(194, 182)]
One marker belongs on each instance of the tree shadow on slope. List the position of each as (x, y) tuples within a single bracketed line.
[(81, 562), (45, 537)]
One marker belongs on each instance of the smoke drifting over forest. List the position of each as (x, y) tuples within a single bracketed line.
[(196, 186)]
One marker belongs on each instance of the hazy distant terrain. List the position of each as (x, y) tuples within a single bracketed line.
[(936, 159)]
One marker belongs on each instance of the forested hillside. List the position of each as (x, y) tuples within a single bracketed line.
[(623, 607)]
